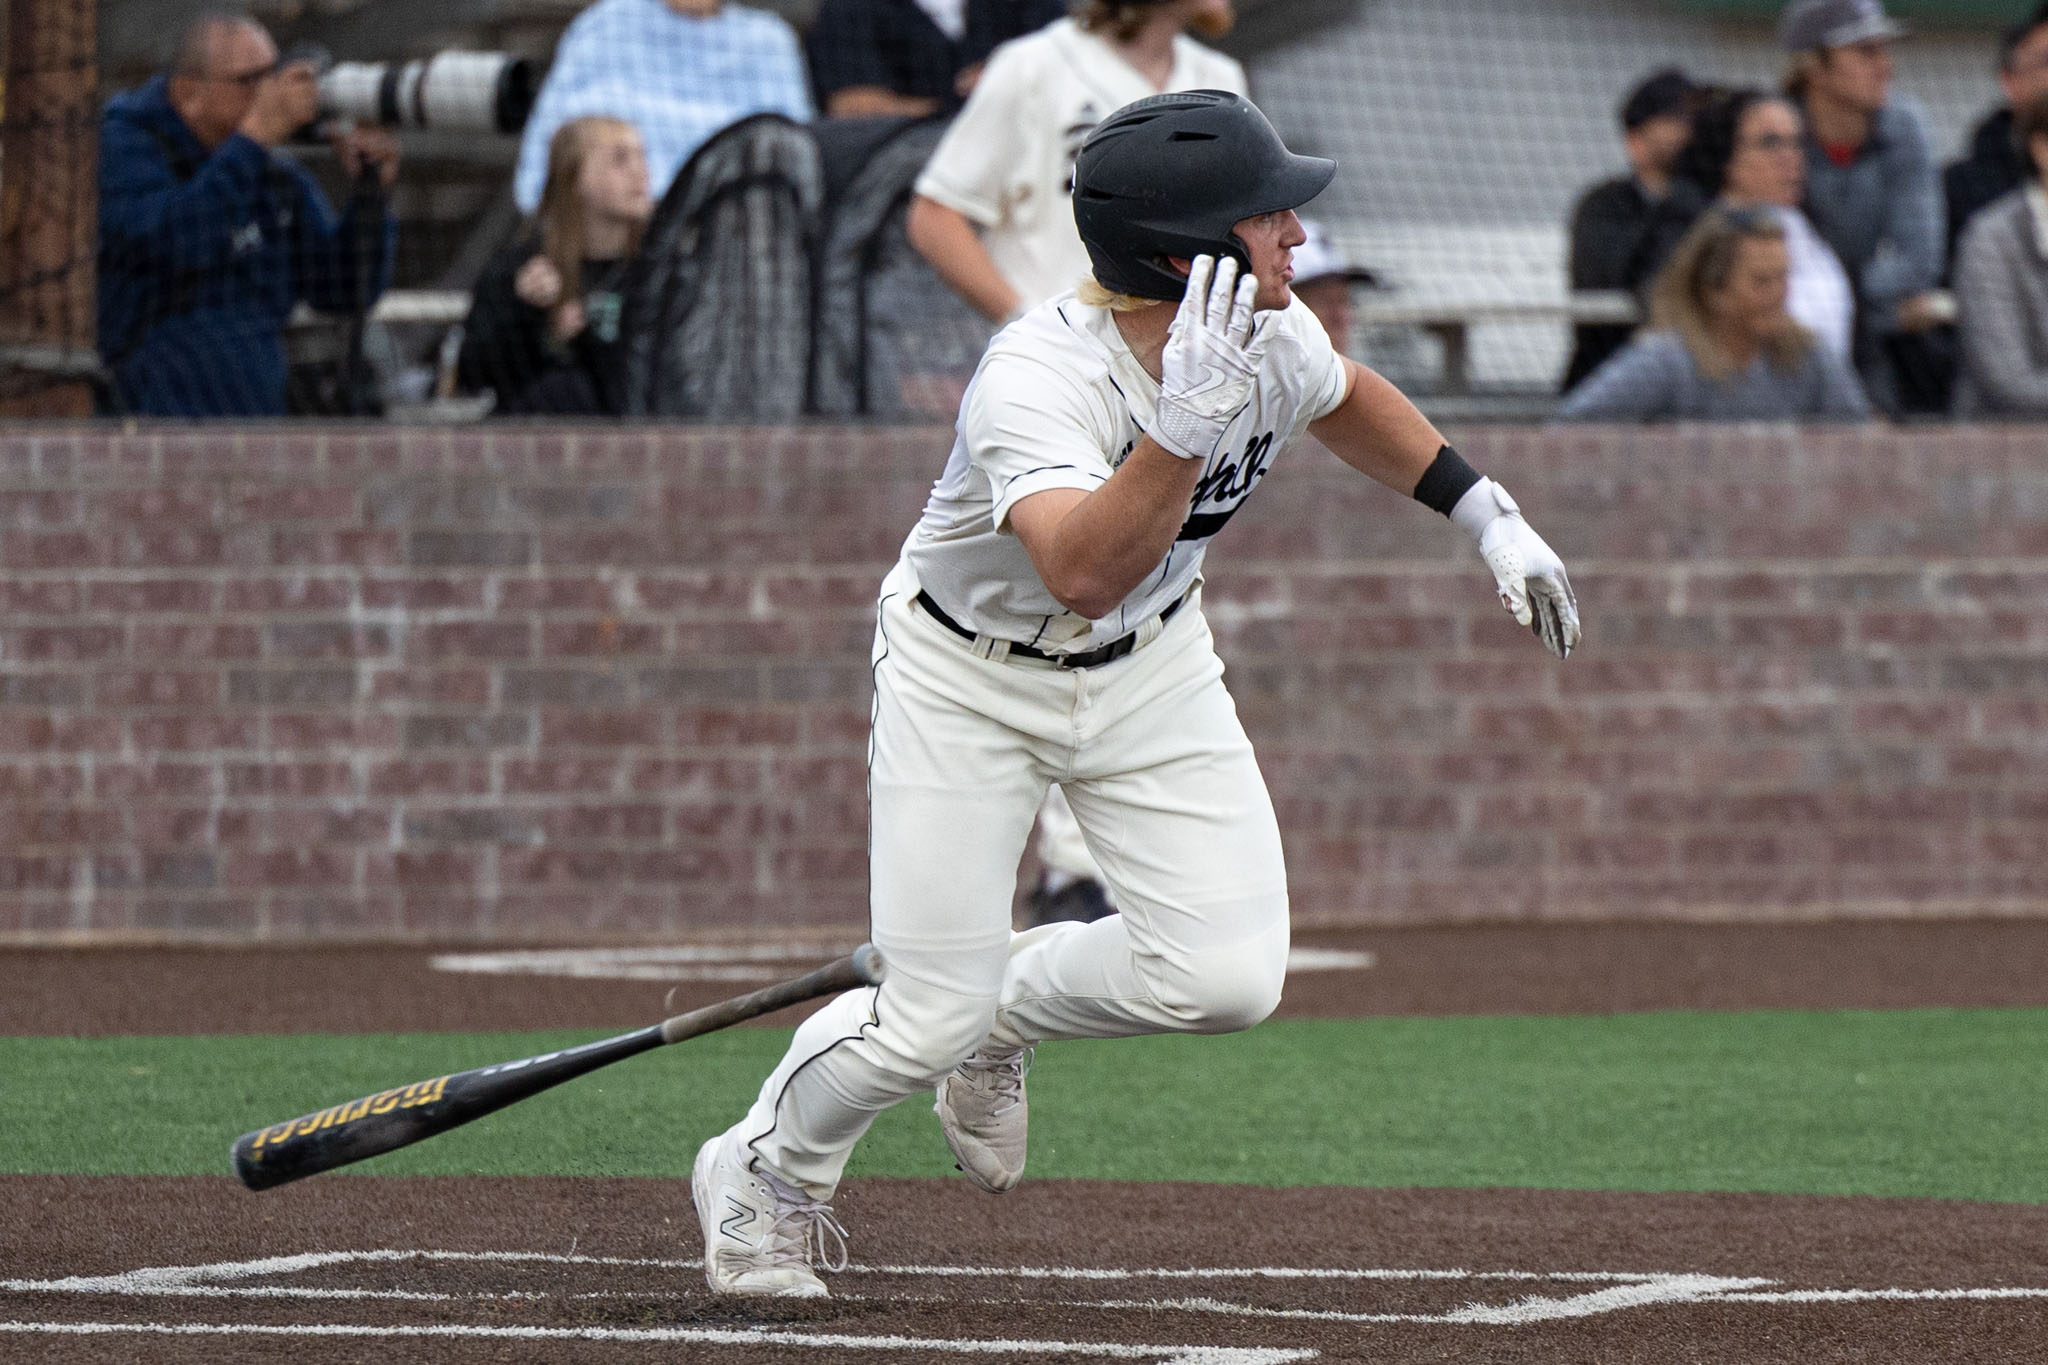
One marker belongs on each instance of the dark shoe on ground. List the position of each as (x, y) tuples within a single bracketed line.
[(1080, 902)]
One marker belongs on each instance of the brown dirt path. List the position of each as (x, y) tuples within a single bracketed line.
[(1570, 1249), (1538, 968), (1612, 1277)]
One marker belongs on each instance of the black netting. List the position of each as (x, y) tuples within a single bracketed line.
[(780, 276), (717, 307), (48, 366), (891, 339)]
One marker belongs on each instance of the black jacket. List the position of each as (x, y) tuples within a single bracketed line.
[(202, 256), (1620, 239), (507, 348), (1990, 172), (894, 44)]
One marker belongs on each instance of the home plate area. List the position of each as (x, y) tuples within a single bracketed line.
[(1245, 1315)]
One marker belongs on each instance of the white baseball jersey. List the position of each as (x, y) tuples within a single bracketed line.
[(1007, 161), (1058, 402)]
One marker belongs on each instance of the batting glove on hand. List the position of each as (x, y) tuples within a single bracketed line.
[(1527, 571), (1212, 357)]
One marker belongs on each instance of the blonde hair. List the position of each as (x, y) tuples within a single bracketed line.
[(1095, 295), (560, 215), (1704, 262)]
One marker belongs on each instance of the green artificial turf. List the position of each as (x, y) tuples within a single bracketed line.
[(1940, 1103)]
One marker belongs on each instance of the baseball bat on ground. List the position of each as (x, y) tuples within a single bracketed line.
[(391, 1119)]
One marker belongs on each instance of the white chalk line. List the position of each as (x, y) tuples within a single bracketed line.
[(736, 962), (1876, 1295), (1676, 1289), (161, 1279), (1623, 1290), (1627, 1289), (701, 1336)]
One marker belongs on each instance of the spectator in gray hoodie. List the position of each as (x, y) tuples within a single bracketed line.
[(1721, 346), (2002, 289), (1872, 189)]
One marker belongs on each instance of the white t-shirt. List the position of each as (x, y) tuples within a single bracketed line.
[(1007, 161), (1058, 402), (1818, 296)]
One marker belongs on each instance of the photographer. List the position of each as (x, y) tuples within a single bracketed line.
[(208, 238)]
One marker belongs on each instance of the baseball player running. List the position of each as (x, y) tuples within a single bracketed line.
[(1044, 624), (992, 212)]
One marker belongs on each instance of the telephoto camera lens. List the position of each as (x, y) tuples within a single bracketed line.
[(468, 92)]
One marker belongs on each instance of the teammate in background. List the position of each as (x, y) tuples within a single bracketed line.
[(1996, 166), (678, 70), (1871, 189), (1044, 624), (543, 326), (1623, 229), (208, 238), (992, 213), (875, 58), (1324, 282)]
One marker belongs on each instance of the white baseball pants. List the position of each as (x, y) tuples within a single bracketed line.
[(1165, 785), (1062, 844)]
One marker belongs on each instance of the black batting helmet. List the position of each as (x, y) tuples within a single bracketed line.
[(1171, 175)]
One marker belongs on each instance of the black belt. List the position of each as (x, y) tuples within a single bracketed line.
[(1109, 653)]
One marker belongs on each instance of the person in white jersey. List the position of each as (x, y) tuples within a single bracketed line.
[(1044, 624), (992, 213)]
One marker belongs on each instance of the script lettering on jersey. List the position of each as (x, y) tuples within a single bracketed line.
[(1224, 489)]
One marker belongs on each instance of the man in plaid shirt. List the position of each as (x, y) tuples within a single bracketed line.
[(678, 70)]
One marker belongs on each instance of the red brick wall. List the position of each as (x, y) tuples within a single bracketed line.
[(533, 682)]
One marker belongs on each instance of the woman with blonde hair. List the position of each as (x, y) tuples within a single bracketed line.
[(1720, 345), (543, 326)]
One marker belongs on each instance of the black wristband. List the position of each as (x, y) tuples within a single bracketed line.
[(1447, 479)]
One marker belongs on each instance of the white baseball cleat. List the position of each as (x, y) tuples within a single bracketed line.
[(760, 1235), (982, 1112)]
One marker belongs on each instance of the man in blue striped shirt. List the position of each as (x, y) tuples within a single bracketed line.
[(678, 70)]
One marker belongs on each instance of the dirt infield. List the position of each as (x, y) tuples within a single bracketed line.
[(197, 1269), (556, 1270), (1520, 969)]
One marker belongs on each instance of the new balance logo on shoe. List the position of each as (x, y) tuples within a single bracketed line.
[(770, 1234), (739, 1220)]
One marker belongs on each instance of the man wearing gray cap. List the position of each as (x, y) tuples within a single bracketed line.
[(1872, 190)]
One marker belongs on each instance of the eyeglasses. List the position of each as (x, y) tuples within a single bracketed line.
[(1751, 219), (1772, 142), (249, 80)]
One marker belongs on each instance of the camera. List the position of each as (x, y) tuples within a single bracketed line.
[(464, 92)]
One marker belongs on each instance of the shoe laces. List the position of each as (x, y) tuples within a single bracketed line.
[(802, 1225), (999, 1075)]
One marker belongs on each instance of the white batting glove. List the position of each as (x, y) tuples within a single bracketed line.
[(1211, 359), (1527, 571)]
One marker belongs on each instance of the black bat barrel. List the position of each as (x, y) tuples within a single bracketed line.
[(390, 1119)]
